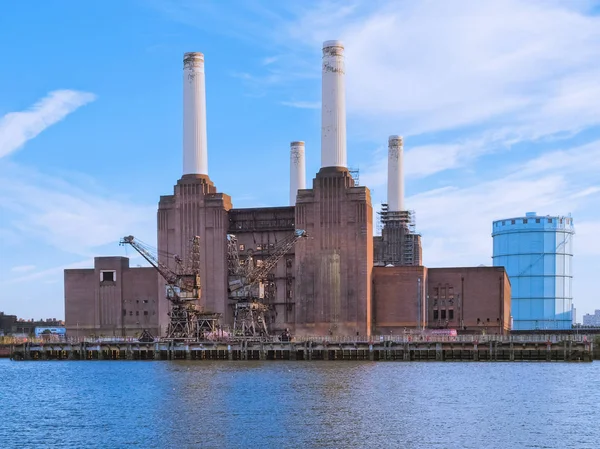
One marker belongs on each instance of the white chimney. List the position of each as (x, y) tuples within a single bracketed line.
[(297, 170), (395, 193), (195, 156), (333, 106)]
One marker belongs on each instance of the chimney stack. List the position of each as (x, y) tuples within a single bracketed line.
[(297, 170), (333, 106), (395, 193), (195, 156)]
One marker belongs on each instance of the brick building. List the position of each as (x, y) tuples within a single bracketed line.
[(469, 299), (111, 299), (329, 283)]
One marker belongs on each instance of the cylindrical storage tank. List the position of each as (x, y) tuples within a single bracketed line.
[(537, 253)]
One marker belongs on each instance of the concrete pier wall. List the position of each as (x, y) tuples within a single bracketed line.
[(534, 348)]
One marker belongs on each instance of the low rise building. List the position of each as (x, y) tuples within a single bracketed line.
[(468, 299), (111, 299)]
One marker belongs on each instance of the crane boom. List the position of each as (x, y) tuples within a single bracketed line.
[(145, 252), (281, 250), (245, 278), (245, 285), (187, 321)]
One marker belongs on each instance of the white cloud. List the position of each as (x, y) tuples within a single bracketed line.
[(456, 222), (429, 66), (50, 274), (17, 128), (67, 217), (22, 268), (73, 216), (269, 60), (302, 104)]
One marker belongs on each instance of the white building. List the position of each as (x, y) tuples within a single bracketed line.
[(592, 320)]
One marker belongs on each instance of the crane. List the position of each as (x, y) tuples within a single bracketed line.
[(246, 285), (183, 288)]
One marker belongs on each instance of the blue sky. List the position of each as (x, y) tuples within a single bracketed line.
[(498, 103)]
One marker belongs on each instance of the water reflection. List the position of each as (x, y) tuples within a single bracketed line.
[(216, 404)]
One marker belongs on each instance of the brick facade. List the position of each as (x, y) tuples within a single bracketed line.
[(333, 266), (111, 299)]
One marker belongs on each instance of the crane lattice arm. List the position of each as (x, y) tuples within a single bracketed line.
[(244, 277), (260, 272), (147, 253)]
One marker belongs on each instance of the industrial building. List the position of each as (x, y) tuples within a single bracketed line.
[(111, 299), (341, 280), (537, 252)]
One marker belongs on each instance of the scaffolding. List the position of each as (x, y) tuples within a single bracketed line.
[(355, 173), (399, 241)]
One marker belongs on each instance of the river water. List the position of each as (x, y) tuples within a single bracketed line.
[(220, 404)]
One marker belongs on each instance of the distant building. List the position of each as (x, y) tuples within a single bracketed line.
[(6, 323), (111, 299), (11, 325), (592, 320), (537, 252)]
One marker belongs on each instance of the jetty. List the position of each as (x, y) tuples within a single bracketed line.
[(536, 347)]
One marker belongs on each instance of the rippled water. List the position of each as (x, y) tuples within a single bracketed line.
[(111, 404)]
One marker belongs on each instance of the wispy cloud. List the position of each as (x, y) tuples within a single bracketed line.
[(68, 212), (22, 268), (67, 217), (431, 66), (17, 128), (269, 60), (302, 104), (456, 222)]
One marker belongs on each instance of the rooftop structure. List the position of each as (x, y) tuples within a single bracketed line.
[(537, 252)]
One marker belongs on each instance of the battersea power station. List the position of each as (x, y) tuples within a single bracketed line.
[(310, 268)]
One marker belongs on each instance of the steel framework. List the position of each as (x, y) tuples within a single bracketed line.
[(247, 285), (187, 320)]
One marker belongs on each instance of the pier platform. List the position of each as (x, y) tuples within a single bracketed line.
[(543, 348)]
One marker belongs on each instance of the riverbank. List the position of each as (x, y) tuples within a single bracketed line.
[(462, 348)]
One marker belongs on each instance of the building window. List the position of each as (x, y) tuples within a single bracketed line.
[(124, 312), (549, 220), (145, 301), (524, 220), (131, 313), (242, 247), (137, 313), (288, 263), (560, 221), (443, 314), (108, 276), (435, 314), (512, 221), (145, 312), (503, 223), (436, 292), (451, 314), (537, 220)]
